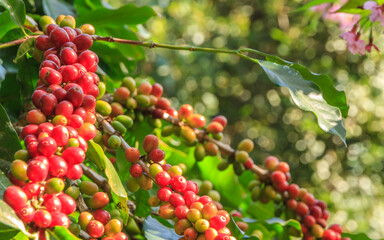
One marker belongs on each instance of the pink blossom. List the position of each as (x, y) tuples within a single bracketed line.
[(370, 45), (345, 20), (354, 44), (322, 8), (376, 11)]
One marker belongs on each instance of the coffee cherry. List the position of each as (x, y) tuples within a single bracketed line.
[(103, 107), (181, 212), (89, 188), (54, 185), (220, 119), (87, 131), (32, 189), (209, 210), (52, 203), (74, 155), (145, 182), (102, 216), (58, 37), (194, 214), (113, 227), (121, 94), (68, 205), (211, 148), (144, 88), (61, 135), (185, 111), (317, 231), (150, 143), (76, 96), (336, 228), (142, 101), (210, 234), (154, 201), (163, 178), (64, 108), (84, 219), (136, 170), (302, 209), (26, 214), (59, 219), (329, 234), (57, 166), (132, 155), (83, 42), (163, 103), (293, 191), (241, 156), (188, 135), (42, 218), (156, 155), (68, 56), (176, 200), (201, 225), (48, 104), (74, 172), (215, 128), (164, 194), (246, 145), (120, 236), (87, 29), (73, 192), (95, 229), (178, 183), (19, 170), (309, 199), (37, 171), (196, 120), (43, 43), (15, 197), (283, 166), (190, 234), (99, 200), (278, 177), (271, 163), (85, 81)]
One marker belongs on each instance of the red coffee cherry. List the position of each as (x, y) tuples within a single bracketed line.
[(64, 108), (185, 111), (69, 73), (337, 228), (163, 103), (309, 199), (61, 135), (74, 172), (218, 222), (81, 112), (157, 155), (293, 191), (68, 56), (220, 119), (190, 197), (178, 183), (85, 81), (99, 200), (32, 149), (42, 218), (43, 43), (32, 189), (48, 104), (95, 229), (46, 146), (176, 200), (209, 210), (196, 120), (278, 177), (68, 205), (150, 143), (58, 37), (75, 121), (49, 64), (316, 212), (205, 199), (136, 170), (191, 186), (102, 216), (302, 209), (37, 171), (76, 96), (163, 178), (87, 131), (83, 42), (36, 116), (121, 94), (157, 90), (51, 27), (120, 236), (74, 155), (309, 221), (26, 214), (292, 204), (59, 219), (271, 163), (215, 127), (89, 103), (54, 58), (132, 155), (181, 212), (57, 166), (15, 197), (164, 193), (36, 97), (52, 203), (59, 94), (82, 143), (71, 33)]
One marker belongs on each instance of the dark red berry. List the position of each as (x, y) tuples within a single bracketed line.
[(150, 143), (47, 146), (156, 155), (74, 172), (83, 42), (178, 183), (102, 216), (43, 43), (76, 96), (95, 229), (74, 155), (42, 218), (68, 205), (176, 200), (68, 56), (136, 170), (59, 219), (15, 197), (57, 166), (37, 171), (164, 193)]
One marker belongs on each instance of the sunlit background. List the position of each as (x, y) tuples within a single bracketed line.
[(348, 179)]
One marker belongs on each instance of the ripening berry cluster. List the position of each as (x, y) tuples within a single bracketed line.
[(311, 212)]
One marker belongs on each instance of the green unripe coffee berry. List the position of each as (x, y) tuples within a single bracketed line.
[(145, 182), (199, 152), (241, 156), (131, 103), (75, 229), (84, 219), (45, 21), (139, 116), (132, 184), (114, 142), (68, 21), (154, 169), (98, 137), (59, 19), (238, 168), (130, 83), (218, 136), (54, 185), (270, 192), (154, 201), (19, 170), (188, 134), (21, 154), (89, 188), (193, 215), (255, 193), (103, 107), (252, 184), (72, 142), (215, 195), (223, 165), (88, 29), (211, 149), (102, 88), (183, 167), (155, 122), (118, 126), (125, 120), (175, 171), (205, 187), (167, 131), (201, 225), (246, 145), (143, 100), (73, 191)]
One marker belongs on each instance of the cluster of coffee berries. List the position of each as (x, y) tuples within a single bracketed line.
[(55, 138), (311, 212)]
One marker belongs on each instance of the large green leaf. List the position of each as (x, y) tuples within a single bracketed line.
[(358, 236), (312, 4), (27, 76), (353, 6), (20, 236), (128, 14), (306, 96), (62, 233), (6, 23), (154, 230), (16, 10), (10, 97), (54, 8), (9, 217), (8, 137), (4, 183), (96, 154)]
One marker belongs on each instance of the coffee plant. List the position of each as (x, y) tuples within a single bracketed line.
[(85, 156)]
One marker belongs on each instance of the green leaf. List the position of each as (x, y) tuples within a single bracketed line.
[(9, 217), (312, 4), (27, 76), (8, 137), (54, 8), (10, 98), (358, 236), (62, 233), (306, 96), (352, 6), (4, 183), (2, 72), (16, 10), (6, 23), (20, 236), (154, 230), (128, 14), (235, 230), (24, 48), (142, 207), (96, 154), (277, 225)]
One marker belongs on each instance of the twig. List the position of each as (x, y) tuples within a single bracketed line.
[(16, 42)]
